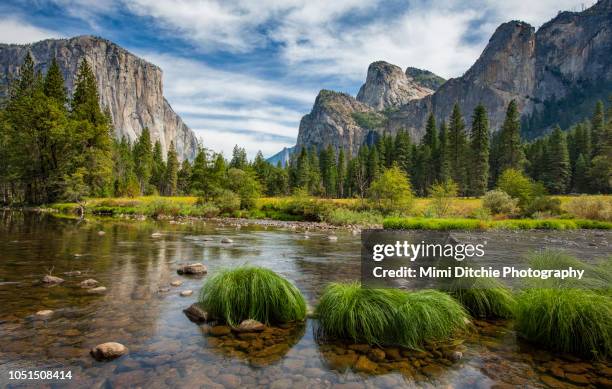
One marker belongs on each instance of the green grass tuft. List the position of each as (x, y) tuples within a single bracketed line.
[(567, 320), (249, 292), (388, 316), (418, 223), (484, 297)]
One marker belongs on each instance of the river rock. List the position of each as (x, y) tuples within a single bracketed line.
[(156, 235), (196, 314), (365, 365), (226, 240), (99, 289), (72, 273), (176, 283), (228, 380), (377, 355), (454, 356), (49, 279), (332, 238), (101, 233), (108, 351), (88, 283), (186, 293), (43, 314), (193, 268), (578, 379), (249, 325), (220, 330)]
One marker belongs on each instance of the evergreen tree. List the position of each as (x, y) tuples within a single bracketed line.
[(329, 170), (581, 171), (314, 173), (598, 124), (54, 84), (558, 166), (239, 158), (200, 178), (479, 142), (27, 78), (403, 151), (457, 145), (510, 147), (373, 165), (443, 154), (184, 177), (341, 174), (172, 167), (158, 169), (143, 159)]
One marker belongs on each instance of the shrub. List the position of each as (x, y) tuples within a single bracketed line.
[(227, 201), (484, 297), (391, 192), (594, 208), (342, 216), (517, 185), (482, 214), (499, 202), (543, 206), (252, 293), (244, 184), (442, 195), (567, 320), (306, 207), (388, 316)]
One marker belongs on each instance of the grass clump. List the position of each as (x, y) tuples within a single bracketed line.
[(387, 316), (418, 223), (567, 320), (484, 297), (250, 292)]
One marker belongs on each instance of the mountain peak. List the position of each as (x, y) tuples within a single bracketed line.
[(388, 86)]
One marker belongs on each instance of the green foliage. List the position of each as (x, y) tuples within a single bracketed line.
[(171, 176), (484, 297), (517, 185), (417, 223), (343, 217), (499, 202), (391, 192), (457, 149), (591, 208), (388, 316), (369, 120), (246, 185), (479, 144), (252, 293), (442, 195), (568, 320), (558, 169), (227, 201), (511, 155)]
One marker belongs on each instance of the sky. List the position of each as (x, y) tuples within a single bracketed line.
[(245, 72)]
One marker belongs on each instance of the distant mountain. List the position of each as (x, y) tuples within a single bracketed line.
[(425, 78), (282, 156), (554, 74), (130, 87)]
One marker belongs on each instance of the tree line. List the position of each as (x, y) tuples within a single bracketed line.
[(54, 147)]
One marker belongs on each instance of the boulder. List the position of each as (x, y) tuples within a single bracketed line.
[(88, 283), (196, 314), (193, 268), (249, 325), (49, 279), (108, 351), (226, 240)]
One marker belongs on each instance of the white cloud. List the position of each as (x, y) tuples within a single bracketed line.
[(14, 30)]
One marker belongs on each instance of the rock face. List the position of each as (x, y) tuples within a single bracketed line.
[(425, 78), (332, 121), (537, 69), (388, 86), (282, 156), (130, 87)]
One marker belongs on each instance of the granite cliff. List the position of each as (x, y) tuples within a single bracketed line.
[(130, 87), (553, 74)]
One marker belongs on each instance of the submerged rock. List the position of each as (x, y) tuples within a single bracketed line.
[(196, 314), (365, 365), (249, 325), (48, 279), (332, 238), (43, 314), (88, 283), (101, 233), (186, 293), (220, 330), (99, 289), (108, 351), (193, 268), (72, 273), (156, 235), (176, 283), (226, 240)]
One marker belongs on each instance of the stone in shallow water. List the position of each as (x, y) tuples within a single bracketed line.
[(176, 283), (101, 233), (99, 289), (376, 355), (72, 273), (249, 325), (220, 330), (156, 235), (88, 283), (365, 365), (332, 238), (44, 314), (226, 240), (196, 314), (186, 293), (229, 380), (192, 268), (48, 279), (108, 351)]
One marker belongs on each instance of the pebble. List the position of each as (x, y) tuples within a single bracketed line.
[(176, 283), (156, 235), (101, 233), (249, 325), (99, 289), (48, 279), (108, 350), (44, 314), (186, 293), (226, 240), (332, 238), (88, 283)]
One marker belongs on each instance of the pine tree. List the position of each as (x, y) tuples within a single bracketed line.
[(479, 142), (54, 84), (200, 177), (443, 154), (511, 149), (403, 151), (158, 168), (598, 124), (172, 167), (558, 166), (581, 171), (314, 173), (329, 170), (457, 145), (239, 158), (27, 77), (373, 165), (341, 173), (143, 159), (184, 177)]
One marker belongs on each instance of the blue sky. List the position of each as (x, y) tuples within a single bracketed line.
[(246, 71)]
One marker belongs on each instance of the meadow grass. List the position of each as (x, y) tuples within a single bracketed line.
[(484, 297), (568, 320), (418, 223), (387, 316), (249, 292)]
